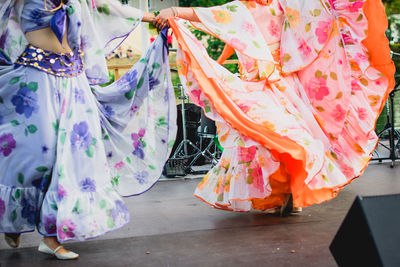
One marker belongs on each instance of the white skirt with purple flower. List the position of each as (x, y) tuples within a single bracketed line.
[(69, 151)]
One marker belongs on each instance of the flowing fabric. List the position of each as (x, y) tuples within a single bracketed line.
[(70, 149), (301, 117), (101, 29)]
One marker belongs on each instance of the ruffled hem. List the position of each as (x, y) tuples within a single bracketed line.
[(19, 208), (94, 214), (346, 154)]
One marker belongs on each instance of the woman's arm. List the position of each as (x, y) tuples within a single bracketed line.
[(187, 13)]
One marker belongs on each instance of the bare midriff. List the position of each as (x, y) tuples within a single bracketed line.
[(47, 40)]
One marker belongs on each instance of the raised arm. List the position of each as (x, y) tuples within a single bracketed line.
[(161, 21)]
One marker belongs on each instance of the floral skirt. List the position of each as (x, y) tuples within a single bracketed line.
[(69, 151), (300, 120)]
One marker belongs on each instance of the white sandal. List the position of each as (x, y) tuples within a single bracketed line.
[(65, 256)]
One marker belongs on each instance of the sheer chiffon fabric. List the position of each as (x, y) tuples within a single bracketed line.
[(300, 118), (70, 149)]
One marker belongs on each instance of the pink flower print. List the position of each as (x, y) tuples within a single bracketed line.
[(303, 47), (339, 113), (322, 31), (66, 230), (63, 107), (361, 57), (133, 110), (239, 45), (138, 143), (362, 113), (258, 181), (348, 171), (142, 132), (273, 29), (246, 154), (332, 3), (317, 89), (119, 165), (249, 27), (244, 107), (196, 95), (355, 86), (348, 39), (248, 64), (136, 139), (61, 192), (355, 6)]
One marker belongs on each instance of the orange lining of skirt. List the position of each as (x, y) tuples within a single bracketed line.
[(290, 154)]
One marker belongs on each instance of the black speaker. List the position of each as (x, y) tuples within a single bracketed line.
[(370, 233)]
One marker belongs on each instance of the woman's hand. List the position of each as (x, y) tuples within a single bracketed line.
[(148, 17), (187, 13), (161, 21)]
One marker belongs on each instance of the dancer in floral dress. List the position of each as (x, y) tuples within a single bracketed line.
[(299, 121), (69, 149)]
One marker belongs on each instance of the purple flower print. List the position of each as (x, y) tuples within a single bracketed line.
[(135, 137), (153, 82), (119, 165), (7, 144), (28, 211), (128, 82), (50, 224), (45, 149), (131, 78), (3, 39), (119, 209), (166, 96), (2, 208), (139, 152), (61, 192), (138, 143), (25, 102), (79, 96), (66, 230), (85, 42), (37, 16), (141, 176), (88, 185), (57, 94), (40, 183), (80, 136), (108, 111), (95, 71)]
